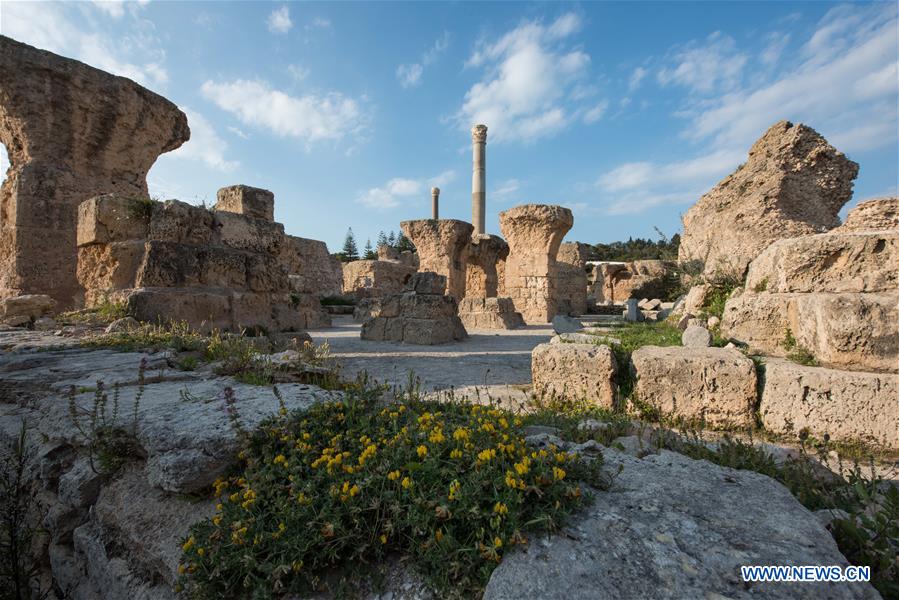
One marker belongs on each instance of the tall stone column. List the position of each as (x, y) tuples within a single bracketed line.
[(435, 202), (534, 233), (478, 177)]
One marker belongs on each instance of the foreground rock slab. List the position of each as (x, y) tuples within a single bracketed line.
[(717, 385), (672, 527), (846, 405)]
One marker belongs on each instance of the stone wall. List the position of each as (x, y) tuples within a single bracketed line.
[(410, 259), (534, 233), (573, 281), (311, 267), (72, 132), (374, 278), (793, 183), (615, 283), (442, 246), (175, 261)]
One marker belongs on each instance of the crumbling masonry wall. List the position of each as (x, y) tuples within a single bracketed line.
[(72, 132), (486, 254), (534, 233), (175, 261), (572, 280)]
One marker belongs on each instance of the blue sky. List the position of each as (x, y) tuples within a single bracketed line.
[(624, 112)]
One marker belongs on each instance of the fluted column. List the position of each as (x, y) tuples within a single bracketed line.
[(478, 177), (435, 202)]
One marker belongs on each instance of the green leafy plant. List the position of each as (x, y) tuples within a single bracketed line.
[(108, 443), (796, 352), (451, 485), (19, 568)]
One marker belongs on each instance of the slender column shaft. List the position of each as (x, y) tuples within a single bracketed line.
[(478, 178), (435, 203)]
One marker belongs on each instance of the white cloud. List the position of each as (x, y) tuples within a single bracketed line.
[(704, 68), (851, 96), (636, 78), (238, 132), (395, 191), (505, 189), (279, 20), (298, 72), (409, 75), (116, 8), (528, 75), (138, 55), (204, 144), (595, 114), (777, 43), (311, 117), (321, 23)]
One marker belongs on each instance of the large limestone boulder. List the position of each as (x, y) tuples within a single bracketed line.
[(19, 310), (246, 200), (534, 233), (847, 406), (880, 214), (836, 294), (672, 527), (72, 132), (829, 262), (442, 246), (717, 385), (572, 279), (575, 372), (793, 183)]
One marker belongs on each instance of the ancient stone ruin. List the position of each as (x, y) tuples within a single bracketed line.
[(794, 183), (72, 132), (572, 279), (616, 282), (170, 260), (424, 314), (375, 278), (534, 233), (442, 246)]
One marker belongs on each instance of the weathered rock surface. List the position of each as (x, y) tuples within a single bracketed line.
[(672, 527), (880, 214), (717, 385), (575, 371), (374, 278), (442, 246), (246, 200), (534, 233), (485, 265), (17, 310), (837, 294), (845, 405), (830, 262), (794, 183), (310, 267), (565, 324), (72, 132), (696, 336), (489, 313)]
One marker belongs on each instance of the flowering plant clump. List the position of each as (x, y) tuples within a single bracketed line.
[(451, 485)]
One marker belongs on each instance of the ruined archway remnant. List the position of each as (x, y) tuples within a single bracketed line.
[(486, 254), (534, 233), (794, 183), (442, 246), (72, 132)]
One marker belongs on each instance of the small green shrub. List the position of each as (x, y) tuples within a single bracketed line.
[(140, 208), (178, 336), (337, 301), (451, 485), (105, 312), (108, 443), (797, 353), (761, 286)]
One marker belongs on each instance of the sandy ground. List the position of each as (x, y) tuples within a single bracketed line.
[(487, 358)]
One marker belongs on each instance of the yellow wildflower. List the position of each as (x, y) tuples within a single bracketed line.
[(438, 535), (422, 451), (406, 483), (456, 453), (500, 508), (558, 474), (188, 544), (393, 475)]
